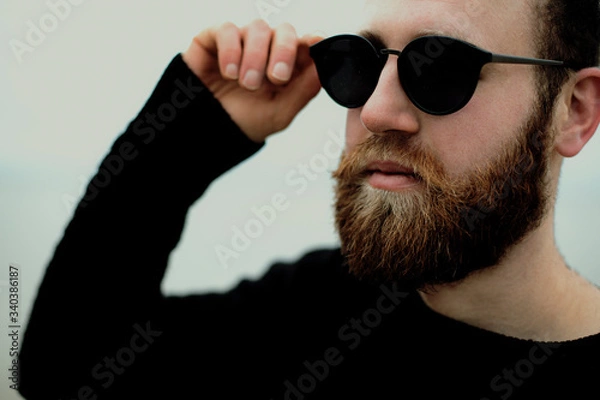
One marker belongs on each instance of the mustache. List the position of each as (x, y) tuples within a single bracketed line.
[(398, 149)]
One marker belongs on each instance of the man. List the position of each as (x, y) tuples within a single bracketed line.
[(448, 283)]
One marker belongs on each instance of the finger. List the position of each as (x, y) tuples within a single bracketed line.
[(311, 38), (256, 44), (303, 87), (306, 84), (215, 50), (229, 45), (283, 54)]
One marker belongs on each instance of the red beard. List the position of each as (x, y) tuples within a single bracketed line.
[(443, 229)]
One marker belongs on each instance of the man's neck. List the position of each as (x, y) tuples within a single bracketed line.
[(531, 294)]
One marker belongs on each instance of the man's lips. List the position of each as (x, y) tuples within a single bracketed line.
[(389, 167), (391, 176)]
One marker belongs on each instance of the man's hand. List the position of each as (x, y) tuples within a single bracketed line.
[(262, 76)]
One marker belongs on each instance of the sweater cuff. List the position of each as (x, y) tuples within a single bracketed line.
[(181, 140), (184, 107)]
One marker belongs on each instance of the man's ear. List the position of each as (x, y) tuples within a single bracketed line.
[(582, 117)]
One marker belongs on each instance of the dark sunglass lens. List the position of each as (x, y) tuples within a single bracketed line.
[(348, 68), (439, 74)]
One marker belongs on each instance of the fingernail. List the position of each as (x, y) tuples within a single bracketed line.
[(231, 71), (253, 79), (282, 71)]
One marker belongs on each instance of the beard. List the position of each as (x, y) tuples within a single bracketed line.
[(446, 228)]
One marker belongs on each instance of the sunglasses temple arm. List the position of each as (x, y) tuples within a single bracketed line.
[(501, 58)]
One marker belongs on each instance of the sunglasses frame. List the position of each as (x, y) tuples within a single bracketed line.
[(480, 58)]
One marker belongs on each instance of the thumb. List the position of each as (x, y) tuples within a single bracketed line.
[(306, 85)]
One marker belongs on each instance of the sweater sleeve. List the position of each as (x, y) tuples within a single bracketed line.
[(97, 306)]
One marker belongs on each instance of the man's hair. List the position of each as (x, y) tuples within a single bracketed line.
[(569, 31)]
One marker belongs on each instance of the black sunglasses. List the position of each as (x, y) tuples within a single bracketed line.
[(439, 74)]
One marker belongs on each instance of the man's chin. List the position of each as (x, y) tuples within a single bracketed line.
[(419, 237)]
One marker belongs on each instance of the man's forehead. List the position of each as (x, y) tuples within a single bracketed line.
[(482, 22)]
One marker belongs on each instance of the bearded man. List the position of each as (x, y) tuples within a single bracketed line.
[(448, 282)]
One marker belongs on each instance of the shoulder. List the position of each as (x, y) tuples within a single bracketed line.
[(324, 265), (316, 274)]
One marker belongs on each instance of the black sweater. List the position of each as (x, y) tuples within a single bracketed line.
[(100, 327)]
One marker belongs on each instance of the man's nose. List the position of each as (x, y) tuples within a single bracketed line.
[(389, 109)]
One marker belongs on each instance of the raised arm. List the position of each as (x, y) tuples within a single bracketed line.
[(99, 303)]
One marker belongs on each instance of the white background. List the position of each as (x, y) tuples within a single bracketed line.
[(64, 103)]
